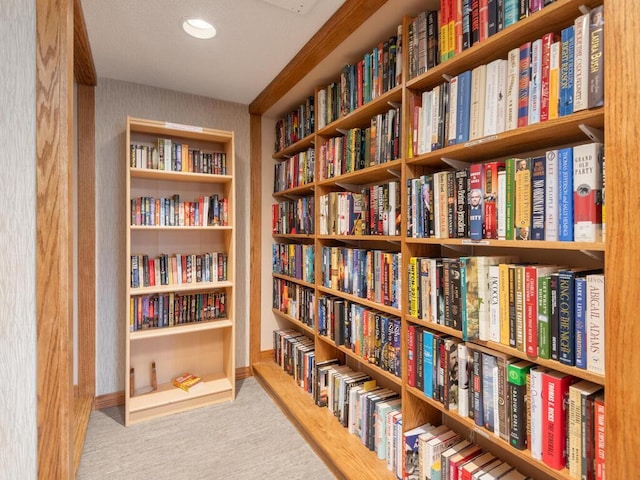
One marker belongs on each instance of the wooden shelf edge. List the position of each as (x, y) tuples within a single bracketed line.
[(178, 176), (299, 281), (321, 430), (180, 287), (294, 321), (181, 329), (295, 148)]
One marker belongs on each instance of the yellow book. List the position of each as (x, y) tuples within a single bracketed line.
[(503, 275)]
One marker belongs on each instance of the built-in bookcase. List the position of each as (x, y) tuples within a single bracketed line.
[(334, 188), (180, 267)]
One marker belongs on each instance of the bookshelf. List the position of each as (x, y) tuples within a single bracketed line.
[(525, 141), (180, 267)]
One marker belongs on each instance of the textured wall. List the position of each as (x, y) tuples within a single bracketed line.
[(18, 422), (114, 101)]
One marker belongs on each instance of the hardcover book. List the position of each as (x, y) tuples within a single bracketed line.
[(587, 192)]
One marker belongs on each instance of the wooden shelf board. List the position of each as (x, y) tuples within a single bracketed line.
[(299, 191), (363, 301), (297, 147), (164, 129), (342, 452), (168, 395), (294, 321), (294, 236), (167, 227), (294, 280), (181, 329), (362, 238), (367, 175), (181, 287), (362, 116), (190, 177), (562, 131), (535, 244)]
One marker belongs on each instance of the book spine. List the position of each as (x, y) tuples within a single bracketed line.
[(596, 58), (463, 381), (565, 194), (566, 71), (535, 399), (595, 323), (599, 438), (522, 197), (494, 303), (478, 96), (503, 285), (517, 406), (512, 90), (490, 187), (555, 389), (510, 169), (502, 202), (538, 190), (580, 313), (580, 63), (544, 307), (551, 196), (476, 196), (531, 309), (567, 322), (462, 203), (453, 111), (554, 80), (587, 192), (524, 79), (535, 83), (545, 70)]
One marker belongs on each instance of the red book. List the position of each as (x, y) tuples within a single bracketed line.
[(152, 272), (599, 436), (459, 459), (555, 389), (524, 76), (484, 20), (490, 183)]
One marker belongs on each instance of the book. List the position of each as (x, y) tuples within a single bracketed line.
[(522, 199), (490, 201), (535, 82), (548, 40), (476, 197), (478, 104), (554, 79), (187, 381), (555, 389), (587, 192), (567, 39), (468, 469), (535, 399), (524, 79), (538, 190), (565, 194), (517, 379), (410, 451), (463, 110), (456, 461), (580, 428), (599, 426), (595, 323), (581, 63), (512, 91), (596, 57), (447, 454), (551, 196)]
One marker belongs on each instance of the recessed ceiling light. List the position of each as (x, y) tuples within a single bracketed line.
[(198, 28)]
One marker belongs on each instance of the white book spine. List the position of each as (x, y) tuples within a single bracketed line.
[(491, 103), (435, 116), (478, 94), (595, 323), (433, 278), (535, 84), (551, 197), (494, 305), (536, 412), (502, 204), (453, 110), (513, 72), (501, 103), (483, 293), (496, 401), (581, 63), (436, 203), (424, 129), (463, 382), (587, 187)]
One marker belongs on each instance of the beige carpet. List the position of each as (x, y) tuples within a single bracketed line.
[(246, 439)]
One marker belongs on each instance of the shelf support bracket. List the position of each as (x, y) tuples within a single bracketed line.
[(395, 173), (342, 131), (457, 164), (394, 104), (455, 248), (584, 9), (593, 254), (447, 77), (351, 187), (595, 134)]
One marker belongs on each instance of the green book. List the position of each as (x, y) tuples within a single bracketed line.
[(544, 311)]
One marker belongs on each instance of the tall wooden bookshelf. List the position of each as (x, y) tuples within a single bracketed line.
[(180, 219), (617, 256)]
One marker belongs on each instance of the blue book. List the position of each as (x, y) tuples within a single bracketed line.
[(581, 331), (463, 107), (489, 372), (395, 323), (565, 194), (567, 39), (427, 363), (538, 217), (510, 12), (566, 317)]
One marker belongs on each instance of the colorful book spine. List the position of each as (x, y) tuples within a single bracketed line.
[(463, 107), (513, 70), (555, 389), (567, 320), (522, 197), (567, 39), (476, 196), (544, 313), (580, 312), (535, 82), (516, 382), (551, 196), (565, 194), (587, 192), (545, 70), (490, 204), (524, 79), (581, 63), (596, 57), (538, 190), (554, 79), (595, 323)]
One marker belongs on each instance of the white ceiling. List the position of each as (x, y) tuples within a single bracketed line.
[(142, 41)]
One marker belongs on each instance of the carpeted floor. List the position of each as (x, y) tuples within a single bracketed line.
[(246, 439)]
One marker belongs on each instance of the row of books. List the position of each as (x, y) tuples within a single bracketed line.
[(372, 335), (374, 275), (294, 260), (295, 125), (208, 210), (178, 269), (376, 73), (540, 80), (438, 452), (295, 300), (293, 216), (294, 171), (548, 311), (295, 354), (555, 197), (171, 309), (176, 157), (360, 148), (435, 36), (375, 210)]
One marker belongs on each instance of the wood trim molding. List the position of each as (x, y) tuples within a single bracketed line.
[(54, 261), (83, 66), (86, 353), (255, 281), (343, 23)]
